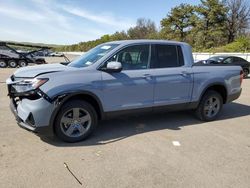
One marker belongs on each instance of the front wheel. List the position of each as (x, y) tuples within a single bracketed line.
[(75, 121), (210, 106)]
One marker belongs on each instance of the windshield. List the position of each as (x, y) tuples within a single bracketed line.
[(92, 55)]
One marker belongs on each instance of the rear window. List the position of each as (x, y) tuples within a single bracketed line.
[(238, 59)]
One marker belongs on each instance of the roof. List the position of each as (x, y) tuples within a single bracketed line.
[(221, 56), (126, 42)]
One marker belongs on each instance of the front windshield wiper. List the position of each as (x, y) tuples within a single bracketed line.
[(64, 63)]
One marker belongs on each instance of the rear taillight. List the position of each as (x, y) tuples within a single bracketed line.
[(241, 76)]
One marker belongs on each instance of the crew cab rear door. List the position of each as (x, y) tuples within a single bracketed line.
[(173, 80)]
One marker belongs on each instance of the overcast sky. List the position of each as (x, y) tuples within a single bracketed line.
[(73, 21)]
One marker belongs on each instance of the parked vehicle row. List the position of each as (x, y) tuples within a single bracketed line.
[(56, 54), (10, 57), (48, 54), (117, 78)]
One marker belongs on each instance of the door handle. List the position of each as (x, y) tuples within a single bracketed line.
[(185, 73), (147, 76)]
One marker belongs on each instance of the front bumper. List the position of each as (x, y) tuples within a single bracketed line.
[(33, 115)]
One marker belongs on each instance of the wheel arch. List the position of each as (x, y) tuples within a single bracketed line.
[(218, 87), (87, 96)]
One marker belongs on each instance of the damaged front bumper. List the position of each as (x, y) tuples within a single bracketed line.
[(32, 111), (33, 115)]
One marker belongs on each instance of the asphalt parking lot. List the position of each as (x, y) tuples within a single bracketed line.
[(133, 152)]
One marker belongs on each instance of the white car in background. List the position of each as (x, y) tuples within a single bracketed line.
[(56, 54)]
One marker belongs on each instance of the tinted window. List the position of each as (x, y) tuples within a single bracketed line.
[(133, 57), (167, 56), (228, 60), (238, 59), (216, 58)]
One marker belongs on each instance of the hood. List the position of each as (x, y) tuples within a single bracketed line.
[(33, 71)]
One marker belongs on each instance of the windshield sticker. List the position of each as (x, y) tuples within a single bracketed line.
[(88, 63), (105, 47)]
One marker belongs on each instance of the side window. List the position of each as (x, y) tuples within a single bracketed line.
[(228, 60), (238, 59), (168, 56), (133, 57)]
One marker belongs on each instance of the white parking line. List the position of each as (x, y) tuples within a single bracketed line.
[(176, 143)]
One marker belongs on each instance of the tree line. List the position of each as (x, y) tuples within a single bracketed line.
[(213, 25)]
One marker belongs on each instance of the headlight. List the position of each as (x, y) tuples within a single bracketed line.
[(29, 84)]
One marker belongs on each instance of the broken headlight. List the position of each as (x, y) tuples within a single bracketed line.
[(27, 85)]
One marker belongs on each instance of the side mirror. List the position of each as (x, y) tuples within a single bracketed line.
[(113, 66)]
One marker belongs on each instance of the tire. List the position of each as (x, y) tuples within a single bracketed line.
[(245, 73), (3, 64), (12, 63), (22, 63), (210, 106), (74, 129)]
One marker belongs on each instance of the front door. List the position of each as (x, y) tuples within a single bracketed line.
[(133, 87)]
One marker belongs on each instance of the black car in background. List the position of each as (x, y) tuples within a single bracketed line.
[(230, 60)]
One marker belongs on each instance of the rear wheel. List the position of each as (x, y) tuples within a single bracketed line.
[(245, 73), (210, 106), (75, 121), (12, 63), (22, 63), (3, 64)]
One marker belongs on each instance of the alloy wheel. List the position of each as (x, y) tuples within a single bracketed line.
[(75, 122), (212, 107)]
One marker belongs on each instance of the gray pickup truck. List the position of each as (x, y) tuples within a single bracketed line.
[(116, 78)]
